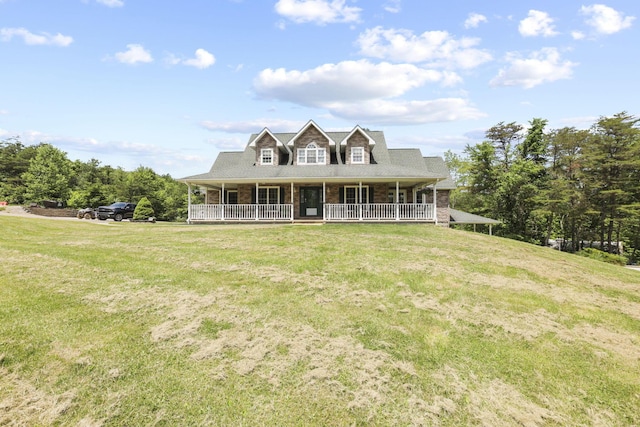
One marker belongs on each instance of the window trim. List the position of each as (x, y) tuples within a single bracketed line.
[(268, 190), (392, 195), (227, 198), (303, 154), (269, 152), (353, 152), (365, 192)]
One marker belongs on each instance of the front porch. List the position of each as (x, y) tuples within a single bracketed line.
[(330, 212)]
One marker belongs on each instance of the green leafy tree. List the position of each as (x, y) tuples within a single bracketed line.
[(48, 175), (14, 162), (143, 210)]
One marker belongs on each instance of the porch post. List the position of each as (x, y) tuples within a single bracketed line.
[(360, 200), (292, 201), (257, 201), (397, 200), (222, 201), (324, 200), (435, 203), (188, 203)]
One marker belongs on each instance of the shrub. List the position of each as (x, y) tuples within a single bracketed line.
[(143, 211), (599, 255)]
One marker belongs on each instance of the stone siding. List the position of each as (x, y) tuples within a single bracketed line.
[(307, 137), (357, 140), (267, 141)]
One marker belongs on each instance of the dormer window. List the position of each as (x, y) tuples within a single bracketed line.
[(357, 155), (266, 156), (311, 155)]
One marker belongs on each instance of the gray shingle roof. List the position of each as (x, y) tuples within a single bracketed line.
[(389, 164)]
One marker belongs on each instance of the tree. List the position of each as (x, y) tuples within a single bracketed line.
[(503, 137), (48, 175), (612, 166), (14, 162), (143, 210)]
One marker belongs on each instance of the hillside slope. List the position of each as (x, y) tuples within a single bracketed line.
[(143, 324)]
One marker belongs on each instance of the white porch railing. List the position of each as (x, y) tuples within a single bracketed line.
[(332, 212), (253, 212), (379, 212)]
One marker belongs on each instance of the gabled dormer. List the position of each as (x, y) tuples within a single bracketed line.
[(312, 146), (356, 147), (270, 151)]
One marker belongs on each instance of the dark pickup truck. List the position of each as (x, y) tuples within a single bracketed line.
[(116, 211)]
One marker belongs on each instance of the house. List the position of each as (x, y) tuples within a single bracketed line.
[(318, 175)]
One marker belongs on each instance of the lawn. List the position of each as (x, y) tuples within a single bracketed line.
[(168, 324)]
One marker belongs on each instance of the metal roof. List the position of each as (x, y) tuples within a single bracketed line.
[(460, 217)]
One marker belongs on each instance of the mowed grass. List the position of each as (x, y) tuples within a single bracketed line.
[(169, 324)]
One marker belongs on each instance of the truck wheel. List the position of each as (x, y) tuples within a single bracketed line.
[(87, 215), (102, 218), (117, 217)]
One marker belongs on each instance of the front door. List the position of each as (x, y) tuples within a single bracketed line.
[(310, 201)]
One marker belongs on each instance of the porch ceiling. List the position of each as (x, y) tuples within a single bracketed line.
[(231, 183)]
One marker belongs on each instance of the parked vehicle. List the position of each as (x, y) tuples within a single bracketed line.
[(116, 211), (87, 213)]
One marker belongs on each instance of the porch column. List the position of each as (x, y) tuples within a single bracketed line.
[(397, 200), (324, 199), (188, 203), (222, 201), (292, 201), (435, 203), (257, 201), (360, 200)]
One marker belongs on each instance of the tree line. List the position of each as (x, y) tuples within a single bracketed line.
[(35, 173), (566, 184)]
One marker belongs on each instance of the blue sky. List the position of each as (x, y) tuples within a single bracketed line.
[(168, 84)]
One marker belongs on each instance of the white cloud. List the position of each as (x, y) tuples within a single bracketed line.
[(6, 34), (437, 48), (474, 20), (542, 66), (135, 53), (111, 3), (3, 112), (320, 12), (202, 60), (385, 112), (363, 91), (577, 35), (250, 126), (537, 24), (392, 6), (347, 81), (606, 20)]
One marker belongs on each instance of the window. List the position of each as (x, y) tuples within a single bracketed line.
[(351, 194), (266, 156), (357, 155), (311, 155), (268, 195), (402, 196), (232, 197)]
